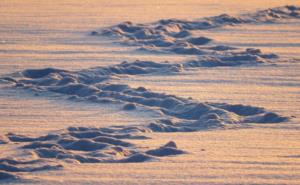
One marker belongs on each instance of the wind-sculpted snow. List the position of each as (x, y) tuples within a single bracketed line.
[(80, 145), (94, 145), (118, 144), (112, 144), (181, 114), (176, 36), (92, 84), (176, 28), (10, 167)]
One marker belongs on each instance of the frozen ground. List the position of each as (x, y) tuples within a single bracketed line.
[(229, 147)]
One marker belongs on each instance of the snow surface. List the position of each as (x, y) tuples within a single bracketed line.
[(221, 91)]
